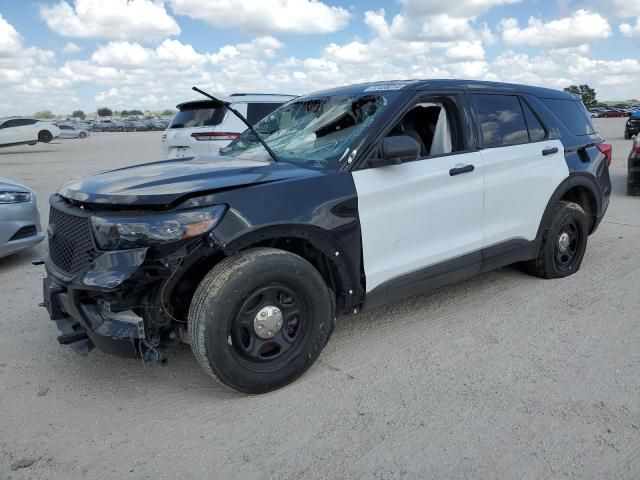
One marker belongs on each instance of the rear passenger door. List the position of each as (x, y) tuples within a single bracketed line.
[(522, 167)]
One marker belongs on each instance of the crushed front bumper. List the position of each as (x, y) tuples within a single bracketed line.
[(81, 305)]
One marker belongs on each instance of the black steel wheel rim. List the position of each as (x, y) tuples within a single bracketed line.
[(567, 245), (266, 354)]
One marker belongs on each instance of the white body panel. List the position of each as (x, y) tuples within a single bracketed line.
[(21, 134), (415, 214), (519, 182), (179, 143)]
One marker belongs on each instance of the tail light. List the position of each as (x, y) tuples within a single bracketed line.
[(636, 144), (607, 150), (206, 136)]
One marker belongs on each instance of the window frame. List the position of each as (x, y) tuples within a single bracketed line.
[(523, 101)]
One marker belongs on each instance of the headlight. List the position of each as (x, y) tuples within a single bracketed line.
[(14, 197), (118, 233)]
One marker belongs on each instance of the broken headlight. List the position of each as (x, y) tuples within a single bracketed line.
[(119, 233)]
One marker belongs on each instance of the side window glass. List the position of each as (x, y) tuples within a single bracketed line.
[(257, 111), (537, 133), (10, 123), (501, 120)]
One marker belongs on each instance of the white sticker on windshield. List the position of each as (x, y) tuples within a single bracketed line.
[(387, 86)]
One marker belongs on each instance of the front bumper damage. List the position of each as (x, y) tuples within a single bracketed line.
[(115, 303), (82, 308)]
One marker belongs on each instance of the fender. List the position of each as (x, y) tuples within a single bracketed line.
[(575, 179), (351, 288)]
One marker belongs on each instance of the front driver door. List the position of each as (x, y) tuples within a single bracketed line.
[(422, 220)]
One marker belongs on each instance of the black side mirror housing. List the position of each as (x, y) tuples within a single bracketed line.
[(395, 150)]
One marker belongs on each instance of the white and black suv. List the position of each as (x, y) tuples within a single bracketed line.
[(202, 127), (337, 202)]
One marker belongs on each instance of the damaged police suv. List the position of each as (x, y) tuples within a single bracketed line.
[(337, 202)]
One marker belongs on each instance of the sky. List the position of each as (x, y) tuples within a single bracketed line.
[(65, 55)]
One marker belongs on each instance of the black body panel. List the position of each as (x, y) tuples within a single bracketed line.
[(164, 183), (633, 171)]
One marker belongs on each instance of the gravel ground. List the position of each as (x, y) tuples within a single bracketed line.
[(502, 376)]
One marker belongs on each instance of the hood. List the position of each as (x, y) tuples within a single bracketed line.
[(165, 182), (10, 185)]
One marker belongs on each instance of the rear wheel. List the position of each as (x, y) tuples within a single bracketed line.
[(564, 242), (82, 135), (260, 319), (45, 136)]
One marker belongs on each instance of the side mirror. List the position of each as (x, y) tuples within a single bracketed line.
[(396, 150)]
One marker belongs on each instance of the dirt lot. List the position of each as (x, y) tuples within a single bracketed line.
[(503, 376)]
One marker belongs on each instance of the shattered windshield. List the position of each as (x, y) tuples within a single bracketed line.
[(312, 132)]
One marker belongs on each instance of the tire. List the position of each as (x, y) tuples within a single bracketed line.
[(228, 304), (633, 189), (627, 135), (45, 136), (564, 241), (82, 135)]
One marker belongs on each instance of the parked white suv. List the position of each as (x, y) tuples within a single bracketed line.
[(18, 131), (201, 128)]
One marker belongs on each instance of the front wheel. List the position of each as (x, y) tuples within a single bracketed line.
[(564, 242), (260, 319), (627, 135)]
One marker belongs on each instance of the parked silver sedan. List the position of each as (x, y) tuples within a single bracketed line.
[(71, 131), (19, 218)]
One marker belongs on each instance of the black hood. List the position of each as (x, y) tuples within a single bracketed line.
[(165, 182)]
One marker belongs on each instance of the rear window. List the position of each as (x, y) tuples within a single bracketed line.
[(198, 115), (257, 111), (572, 113)]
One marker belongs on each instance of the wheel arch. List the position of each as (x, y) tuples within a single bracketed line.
[(318, 248), (581, 188)]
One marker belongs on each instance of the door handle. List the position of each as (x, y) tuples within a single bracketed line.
[(463, 169), (549, 151)]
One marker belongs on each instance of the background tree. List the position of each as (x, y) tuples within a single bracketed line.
[(587, 93), (45, 115), (78, 114), (167, 112), (105, 112)]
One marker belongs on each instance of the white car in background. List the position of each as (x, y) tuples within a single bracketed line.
[(72, 131), (18, 131), (202, 128)]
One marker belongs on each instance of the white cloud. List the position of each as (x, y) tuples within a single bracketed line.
[(458, 8), (266, 16), (9, 39), (434, 28), (630, 30), (466, 51), (71, 47), (581, 27), (122, 54), (117, 19)]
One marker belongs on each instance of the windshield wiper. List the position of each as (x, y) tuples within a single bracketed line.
[(227, 105)]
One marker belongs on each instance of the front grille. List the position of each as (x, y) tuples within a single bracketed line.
[(71, 246)]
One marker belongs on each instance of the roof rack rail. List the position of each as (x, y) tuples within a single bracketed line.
[(269, 94)]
